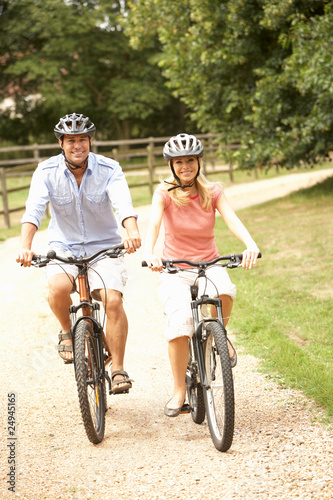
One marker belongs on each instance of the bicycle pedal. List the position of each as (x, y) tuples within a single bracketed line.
[(185, 408)]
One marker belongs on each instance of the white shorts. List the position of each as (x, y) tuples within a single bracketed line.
[(107, 273), (175, 295)]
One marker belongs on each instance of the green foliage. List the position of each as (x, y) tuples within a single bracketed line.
[(73, 55), (257, 71), (283, 309)]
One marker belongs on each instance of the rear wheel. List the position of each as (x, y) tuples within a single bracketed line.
[(90, 385), (219, 397), (194, 390)]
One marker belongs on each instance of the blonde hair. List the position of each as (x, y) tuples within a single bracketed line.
[(181, 197)]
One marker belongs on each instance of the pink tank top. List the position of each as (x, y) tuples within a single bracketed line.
[(189, 230)]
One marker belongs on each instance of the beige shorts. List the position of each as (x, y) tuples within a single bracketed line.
[(106, 273), (175, 295)]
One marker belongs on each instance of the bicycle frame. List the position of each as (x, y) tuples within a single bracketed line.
[(90, 313)]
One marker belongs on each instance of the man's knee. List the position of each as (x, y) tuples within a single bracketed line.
[(59, 287), (114, 301)]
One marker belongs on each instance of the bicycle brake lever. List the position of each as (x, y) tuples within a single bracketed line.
[(234, 262), (115, 252), (170, 268)]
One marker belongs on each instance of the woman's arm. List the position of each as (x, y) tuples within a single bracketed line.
[(154, 227), (239, 230)]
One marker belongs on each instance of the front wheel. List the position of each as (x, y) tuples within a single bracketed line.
[(219, 396), (90, 384)]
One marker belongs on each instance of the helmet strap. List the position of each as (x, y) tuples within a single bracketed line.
[(72, 166), (180, 185)]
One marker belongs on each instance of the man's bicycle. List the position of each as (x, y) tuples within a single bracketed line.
[(91, 353), (209, 380)]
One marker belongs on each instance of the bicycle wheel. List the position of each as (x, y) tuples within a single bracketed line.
[(219, 397), (89, 385), (195, 391)]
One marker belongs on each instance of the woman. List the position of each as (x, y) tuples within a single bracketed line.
[(187, 202)]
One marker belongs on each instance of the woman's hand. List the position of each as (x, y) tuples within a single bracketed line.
[(250, 257), (154, 263)]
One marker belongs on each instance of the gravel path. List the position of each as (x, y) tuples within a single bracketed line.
[(280, 448)]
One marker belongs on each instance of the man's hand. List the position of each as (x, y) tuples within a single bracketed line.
[(132, 242), (24, 257)]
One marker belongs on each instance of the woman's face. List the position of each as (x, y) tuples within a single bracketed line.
[(186, 168)]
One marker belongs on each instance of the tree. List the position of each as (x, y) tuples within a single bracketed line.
[(256, 71), (61, 56)]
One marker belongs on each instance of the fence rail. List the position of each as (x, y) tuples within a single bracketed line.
[(124, 151)]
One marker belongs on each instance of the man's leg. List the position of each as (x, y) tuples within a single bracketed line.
[(116, 329), (59, 299)]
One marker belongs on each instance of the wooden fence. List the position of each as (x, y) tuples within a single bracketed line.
[(136, 156)]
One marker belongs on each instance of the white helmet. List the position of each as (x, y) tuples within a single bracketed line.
[(74, 124), (183, 145)]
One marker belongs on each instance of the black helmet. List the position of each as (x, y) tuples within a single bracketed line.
[(74, 124), (183, 145)]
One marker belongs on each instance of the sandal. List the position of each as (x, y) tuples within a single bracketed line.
[(233, 359), (65, 348), (125, 380)]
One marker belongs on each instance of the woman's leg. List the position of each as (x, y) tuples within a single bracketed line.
[(227, 304), (178, 355)]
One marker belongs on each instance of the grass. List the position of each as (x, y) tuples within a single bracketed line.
[(283, 311)]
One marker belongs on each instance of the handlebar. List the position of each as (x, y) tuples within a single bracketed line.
[(234, 260), (43, 260)]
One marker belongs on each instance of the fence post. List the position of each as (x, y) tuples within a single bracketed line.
[(36, 154), (211, 149), (4, 196), (151, 164), (115, 154), (231, 172)]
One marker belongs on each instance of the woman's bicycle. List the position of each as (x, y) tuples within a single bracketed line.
[(90, 349), (209, 380)]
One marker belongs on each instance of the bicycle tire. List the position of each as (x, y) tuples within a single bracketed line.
[(91, 394), (194, 391), (105, 396), (219, 396)]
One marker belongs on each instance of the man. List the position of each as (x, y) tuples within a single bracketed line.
[(82, 189)]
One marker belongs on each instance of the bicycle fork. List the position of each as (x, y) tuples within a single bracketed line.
[(200, 334)]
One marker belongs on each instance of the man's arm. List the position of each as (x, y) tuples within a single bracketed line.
[(25, 254), (133, 240)]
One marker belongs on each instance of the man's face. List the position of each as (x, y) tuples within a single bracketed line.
[(76, 147)]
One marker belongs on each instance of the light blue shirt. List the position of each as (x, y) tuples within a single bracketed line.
[(82, 218)]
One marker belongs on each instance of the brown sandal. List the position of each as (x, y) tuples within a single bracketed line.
[(125, 380), (65, 348)]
